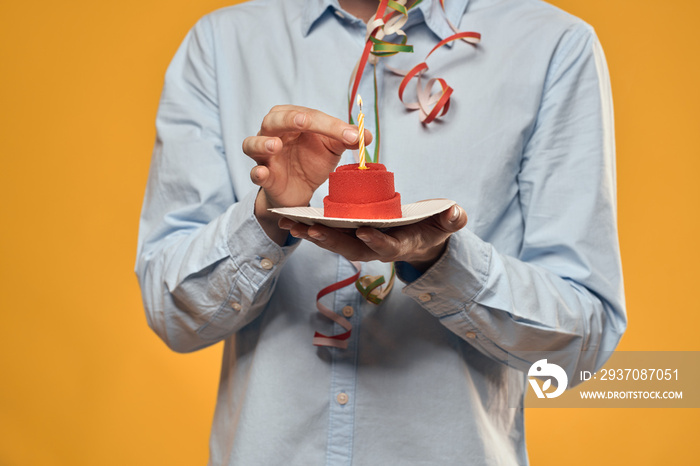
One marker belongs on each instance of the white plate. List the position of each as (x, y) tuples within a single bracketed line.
[(410, 213)]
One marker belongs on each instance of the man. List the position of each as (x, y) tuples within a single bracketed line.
[(436, 373)]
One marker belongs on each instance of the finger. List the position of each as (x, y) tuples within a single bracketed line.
[(452, 219), (261, 176), (298, 230), (286, 119), (286, 223), (368, 140), (385, 246), (347, 245), (282, 111), (259, 148), (418, 241)]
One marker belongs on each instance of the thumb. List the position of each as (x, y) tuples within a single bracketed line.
[(453, 219)]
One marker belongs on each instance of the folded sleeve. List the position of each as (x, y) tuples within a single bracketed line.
[(564, 291), (205, 266)]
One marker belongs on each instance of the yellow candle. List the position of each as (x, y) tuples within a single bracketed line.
[(361, 129)]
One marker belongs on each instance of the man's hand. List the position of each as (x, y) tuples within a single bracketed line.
[(295, 151), (420, 244)]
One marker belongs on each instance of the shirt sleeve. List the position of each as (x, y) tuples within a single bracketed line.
[(205, 266), (563, 293)]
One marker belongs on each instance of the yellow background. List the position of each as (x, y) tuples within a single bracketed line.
[(83, 381)]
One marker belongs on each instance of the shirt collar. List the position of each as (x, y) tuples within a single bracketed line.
[(435, 18), (311, 12), (430, 12)]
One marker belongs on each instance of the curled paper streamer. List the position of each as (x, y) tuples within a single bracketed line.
[(370, 286), (371, 289), (430, 105), (339, 340), (375, 45)]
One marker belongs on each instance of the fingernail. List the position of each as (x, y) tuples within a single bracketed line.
[(317, 235), (350, 135), (454, 215), (270, 145), (299, 119)]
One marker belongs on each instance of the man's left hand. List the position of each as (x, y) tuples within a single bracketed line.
[(420, 244)]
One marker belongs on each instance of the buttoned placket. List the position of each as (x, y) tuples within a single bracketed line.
[(348, 301), (343, 380)]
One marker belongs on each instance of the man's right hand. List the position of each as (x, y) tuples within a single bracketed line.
[(295, 151)]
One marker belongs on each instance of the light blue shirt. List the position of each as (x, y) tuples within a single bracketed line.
[(527, 149)]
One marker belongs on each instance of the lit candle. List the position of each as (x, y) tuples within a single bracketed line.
[(361, 129)]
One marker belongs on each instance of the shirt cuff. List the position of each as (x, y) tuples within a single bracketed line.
[(452, 283), (406, 272), (247, 240), (255, 261)]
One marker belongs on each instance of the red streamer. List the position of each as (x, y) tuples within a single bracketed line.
[(340, 340)]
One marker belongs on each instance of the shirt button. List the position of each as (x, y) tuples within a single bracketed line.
[(425, 297), (471, 335), (348, 311), (236, 306), (266, 263), (342, 398)]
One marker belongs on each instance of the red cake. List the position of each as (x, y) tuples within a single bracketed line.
[(362, 194)]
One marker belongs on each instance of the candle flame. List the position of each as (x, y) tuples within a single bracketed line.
[(359, 101)]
